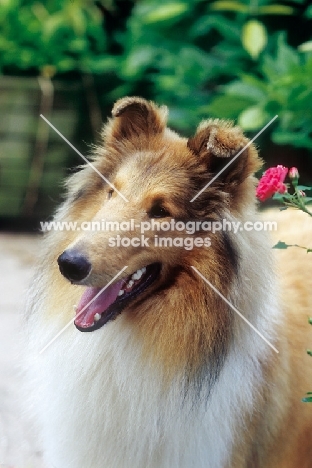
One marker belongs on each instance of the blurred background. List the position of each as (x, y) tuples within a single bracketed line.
[(69, 60), (245, 60)]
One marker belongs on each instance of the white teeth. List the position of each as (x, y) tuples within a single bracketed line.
[(97, 317), (137, 275)]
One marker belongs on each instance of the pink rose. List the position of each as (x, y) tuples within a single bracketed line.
[(271, 182)]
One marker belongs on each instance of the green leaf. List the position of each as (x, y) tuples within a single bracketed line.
[(306, 188), (281, 245), (307, 400), (287, 57), (309, 352), (137, 61), (252, 118), (254, 37), (276, 10), (52, 25), (165, 12), (279, 197), (77, 20), (310, 322), (230, 30), (225, 106), (248, 90), (224, 5), (305, 47)]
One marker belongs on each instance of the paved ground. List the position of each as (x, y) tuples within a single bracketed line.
[(17, 257)]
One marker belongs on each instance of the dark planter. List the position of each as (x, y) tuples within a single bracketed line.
[(34, 158)]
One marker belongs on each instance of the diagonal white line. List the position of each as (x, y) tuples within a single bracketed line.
[(233, 159), (235, 310), (87, 305), (84, 158)]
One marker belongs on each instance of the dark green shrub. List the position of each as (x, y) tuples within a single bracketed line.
[(52, 37)]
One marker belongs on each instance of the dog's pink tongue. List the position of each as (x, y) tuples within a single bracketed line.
[(94, 301)]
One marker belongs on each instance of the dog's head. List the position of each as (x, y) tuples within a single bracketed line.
[(143, 175)]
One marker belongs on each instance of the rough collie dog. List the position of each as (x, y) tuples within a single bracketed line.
[(155, 366)]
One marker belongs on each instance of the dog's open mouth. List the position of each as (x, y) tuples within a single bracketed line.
[(96, 308)]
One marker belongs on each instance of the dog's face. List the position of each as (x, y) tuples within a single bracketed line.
[(155, 176)]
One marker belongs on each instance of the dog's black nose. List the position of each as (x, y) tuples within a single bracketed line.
[(74, 265)]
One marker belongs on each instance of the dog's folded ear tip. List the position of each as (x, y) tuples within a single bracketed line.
[(217, 138), (223, 152)]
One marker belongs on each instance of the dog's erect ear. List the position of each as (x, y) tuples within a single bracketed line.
[(216, 142), (135, 118)]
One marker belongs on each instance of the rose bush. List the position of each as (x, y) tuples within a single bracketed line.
[(272, 184)]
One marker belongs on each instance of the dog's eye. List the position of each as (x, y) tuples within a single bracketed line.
[(158, 211), (110, 193)]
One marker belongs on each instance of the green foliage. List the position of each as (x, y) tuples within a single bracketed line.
[(56, 36), (299, 201), (295, 198), (180, 57), (226, 58), (282, 87), (221, 59)]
